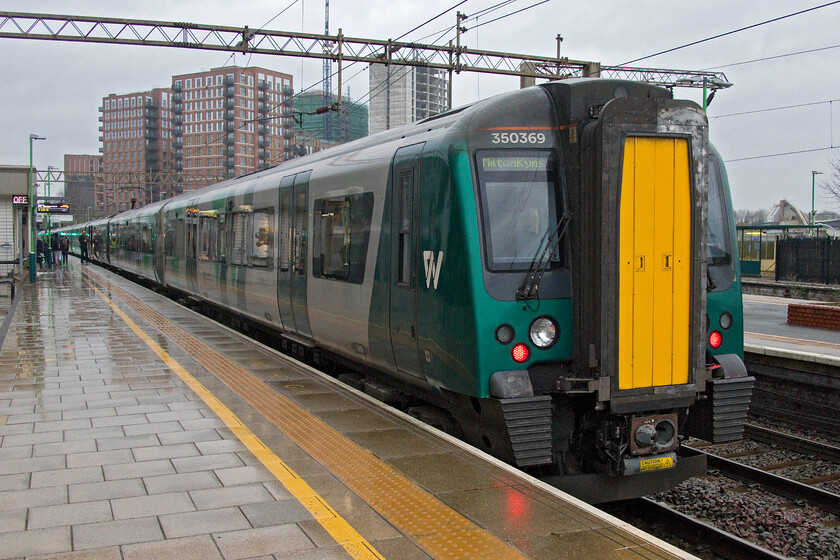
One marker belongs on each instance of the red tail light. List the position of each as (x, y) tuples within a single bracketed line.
[(715, 339), (520, 353)]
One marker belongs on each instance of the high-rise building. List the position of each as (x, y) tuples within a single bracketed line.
[(403, 94), (230, 121), (352, 124), (82, 174), (136, 149)]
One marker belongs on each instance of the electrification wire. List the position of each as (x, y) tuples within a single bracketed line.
[(443, 32), (718, 36), (514, 13), (781, 154), (829, 101), (437, 16), (766, 58)]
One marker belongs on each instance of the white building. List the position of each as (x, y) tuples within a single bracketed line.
[(403, 94)]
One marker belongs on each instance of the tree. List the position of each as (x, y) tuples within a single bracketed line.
[(830, 187), (750, 217)]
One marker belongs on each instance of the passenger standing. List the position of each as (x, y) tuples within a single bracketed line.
[(55, 245), (39, 252), (65, 250), (83, 244)]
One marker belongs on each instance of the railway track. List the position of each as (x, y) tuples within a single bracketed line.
[(703, 536), (798, 492)]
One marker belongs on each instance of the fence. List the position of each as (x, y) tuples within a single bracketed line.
[(809, 259)]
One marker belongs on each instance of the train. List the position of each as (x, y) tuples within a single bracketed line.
[(549, 274)]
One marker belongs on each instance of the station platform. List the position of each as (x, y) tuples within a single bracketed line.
[(767, 332), (133, 428)]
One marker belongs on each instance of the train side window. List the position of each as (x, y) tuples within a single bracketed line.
[(285, 230), (223, 237), (405, 227), (191, 221), (207, 232), (342, 232), (262, 241), (239, 232)]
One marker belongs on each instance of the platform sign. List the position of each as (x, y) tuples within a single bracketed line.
[(53, 208), (20, 200)]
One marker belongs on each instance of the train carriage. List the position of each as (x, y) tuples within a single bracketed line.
[(533, 273)]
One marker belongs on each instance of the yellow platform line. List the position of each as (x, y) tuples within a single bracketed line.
[(435, 527), (337, 527)]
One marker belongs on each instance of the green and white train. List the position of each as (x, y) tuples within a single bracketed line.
[(549, 274)]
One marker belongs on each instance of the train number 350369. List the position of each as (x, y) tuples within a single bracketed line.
[(518, 138)]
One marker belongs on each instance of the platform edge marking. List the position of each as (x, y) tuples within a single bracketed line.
[(335, 525)]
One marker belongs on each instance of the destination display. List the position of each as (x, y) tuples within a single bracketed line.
[(514, 163)]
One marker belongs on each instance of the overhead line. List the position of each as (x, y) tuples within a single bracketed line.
[(766, 58), (718, 36), (781, 154), (775, 109)]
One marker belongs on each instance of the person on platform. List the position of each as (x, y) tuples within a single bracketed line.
[(40, 246), (55, 245), (65, 250), (83, 245)]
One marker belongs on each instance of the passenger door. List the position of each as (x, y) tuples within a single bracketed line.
[(292, 271), (405, 178)]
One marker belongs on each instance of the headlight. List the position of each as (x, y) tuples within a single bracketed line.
[(543, 332)]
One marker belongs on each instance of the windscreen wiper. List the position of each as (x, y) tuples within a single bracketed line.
[(531, 285)]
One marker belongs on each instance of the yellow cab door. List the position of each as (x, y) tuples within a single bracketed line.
[(655, 263)]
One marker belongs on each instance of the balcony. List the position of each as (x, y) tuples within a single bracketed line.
[(101, 119), (151, 113), (262, 129), (178, 130), (263, 164), (264, 142), (177, 109), (177, 98), (229, 115), (262, 84), (149, 104), (287, 90), (228, 80), (177, 88), (152, 156), (229, 140), (230, 126), (150, 133), (229, 104), (263, 107), (178, 119), (152, 124), (230, 150), (178, 143), (229, 91), (288, 133), (229, 163), (101, 129), (262, 154)]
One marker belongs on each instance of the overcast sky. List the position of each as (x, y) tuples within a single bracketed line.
[(54, 88)]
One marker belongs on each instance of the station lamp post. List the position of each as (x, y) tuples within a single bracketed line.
[(813, 211), (33, 193)]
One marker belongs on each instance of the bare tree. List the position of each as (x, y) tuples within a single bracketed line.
[(750, 217), (830, 187)]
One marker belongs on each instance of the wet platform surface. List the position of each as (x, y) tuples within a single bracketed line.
[(132, 428), (767, 331)]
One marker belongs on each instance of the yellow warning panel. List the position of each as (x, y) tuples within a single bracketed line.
[(654, 263)]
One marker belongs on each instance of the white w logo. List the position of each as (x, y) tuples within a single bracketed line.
[(432, 267)]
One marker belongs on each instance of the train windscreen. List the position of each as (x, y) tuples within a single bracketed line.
[(519, 206), (721, 265)]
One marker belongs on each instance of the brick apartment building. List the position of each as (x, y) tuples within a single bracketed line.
[(230, 121)]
